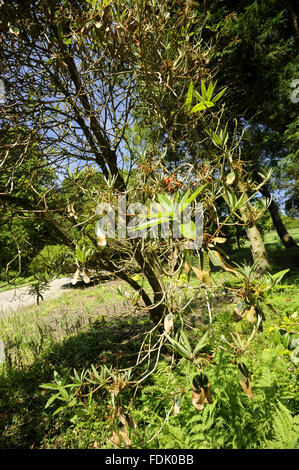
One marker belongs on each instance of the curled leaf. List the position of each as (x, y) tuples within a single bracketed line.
[(244, 379), (86, 278), (201, 394)]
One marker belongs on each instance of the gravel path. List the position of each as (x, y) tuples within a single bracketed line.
[(12, 300)]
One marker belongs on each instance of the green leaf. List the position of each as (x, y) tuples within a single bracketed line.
[(152, 223), (188, 101), (203, 90), (50, 386), (165, 202), (195, 194), (278, 276), (185, 341), (218, 96), (210, 91), (178, 347), (202, 106), (188, 230), (182, 203), (51, 399), (79, 254), (61, 408), (201, 344), (64, 393)]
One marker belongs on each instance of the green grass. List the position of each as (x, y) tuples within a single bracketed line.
[(96, 327)]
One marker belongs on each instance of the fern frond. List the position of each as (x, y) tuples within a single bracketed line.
[(285, 429)]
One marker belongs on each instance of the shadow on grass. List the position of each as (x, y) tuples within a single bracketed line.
[(280, 258), (24, 422)]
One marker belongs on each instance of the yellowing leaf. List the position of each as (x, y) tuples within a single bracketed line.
[(230, 178), (219, 240)]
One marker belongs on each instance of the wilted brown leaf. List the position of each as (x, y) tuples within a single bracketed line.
[(115, 439), (177, 407), (125, 437), (249, 314), (168, 323), (201, 398), (201, 394), (247, 388), (187, 268)]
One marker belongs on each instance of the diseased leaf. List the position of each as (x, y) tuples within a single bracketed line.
[(217, 260), (86, 278), (247, 388), (14, 30), (201, 394), (187, 268), (244, 379)]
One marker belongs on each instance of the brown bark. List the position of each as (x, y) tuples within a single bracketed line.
[(285, 237)]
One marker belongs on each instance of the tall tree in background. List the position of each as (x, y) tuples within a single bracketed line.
[(257, 53)]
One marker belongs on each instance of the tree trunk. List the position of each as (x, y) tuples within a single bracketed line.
[(257, 245), (285, 237)]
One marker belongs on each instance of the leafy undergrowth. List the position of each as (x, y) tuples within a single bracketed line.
[(70, 378)]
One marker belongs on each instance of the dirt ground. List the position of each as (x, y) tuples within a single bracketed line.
[(12, 300)]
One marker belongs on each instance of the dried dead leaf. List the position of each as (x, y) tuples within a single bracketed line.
[(187, 268), (168, 323), (115, 439), (249, 314), (125, 437), (76, 277), (219, 239), (244, 379), (177, 407), (201, 394), (247, 388), (86, 278), (202, 398)]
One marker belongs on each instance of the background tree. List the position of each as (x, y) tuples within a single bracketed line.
[(257, 50)]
